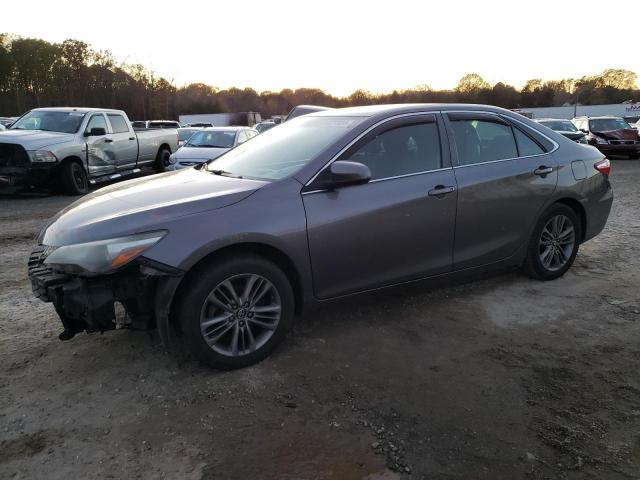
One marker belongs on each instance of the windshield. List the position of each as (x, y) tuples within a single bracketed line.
[(184, 134), (50, 121), (212, 139), (282, 151), (607, 124), (560, 125)]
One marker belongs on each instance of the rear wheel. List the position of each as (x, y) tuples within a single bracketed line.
[(74, 179), (162, 160), (235, 312), (554, 243)]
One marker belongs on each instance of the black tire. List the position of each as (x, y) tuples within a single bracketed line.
[(534, 265), (193, 304), (73, 179), (162, 160)]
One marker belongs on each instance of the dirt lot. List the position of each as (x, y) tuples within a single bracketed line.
[(503, 378)]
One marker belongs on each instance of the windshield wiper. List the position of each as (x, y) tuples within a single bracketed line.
[(224, 173), (205, 146)]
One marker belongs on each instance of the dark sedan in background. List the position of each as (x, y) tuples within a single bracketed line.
[(329, 204), (564, 127), (610, 135)]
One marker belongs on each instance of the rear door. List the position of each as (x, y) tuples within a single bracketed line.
[(395, 228), (101, 158), (123, 141), (505, 175)]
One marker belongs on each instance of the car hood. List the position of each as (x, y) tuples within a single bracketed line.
[(144, 204), (35, 139), (199, 153), (625, 134), (572, 135)]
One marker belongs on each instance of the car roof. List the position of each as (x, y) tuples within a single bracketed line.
[(551, 120), (399, 109), (232, 127), (77, 109)]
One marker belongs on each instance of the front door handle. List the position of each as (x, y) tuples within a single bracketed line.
[(108, 140), (440, 191), (132, 138), (542, 170)]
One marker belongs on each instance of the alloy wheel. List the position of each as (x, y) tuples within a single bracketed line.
[(557, 242), (240, 314)]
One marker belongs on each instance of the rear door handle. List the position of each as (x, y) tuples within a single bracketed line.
[(132, 138), (542, 170), (440, 191), (108, 140)]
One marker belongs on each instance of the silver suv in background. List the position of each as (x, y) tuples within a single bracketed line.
[(208, 144), (564, 127)]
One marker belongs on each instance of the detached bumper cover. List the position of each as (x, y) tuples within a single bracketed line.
[(145, 289)]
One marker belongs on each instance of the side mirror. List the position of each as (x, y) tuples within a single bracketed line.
[(343, 173), (95, 132)]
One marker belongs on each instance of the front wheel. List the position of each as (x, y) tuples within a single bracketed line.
[(162, 160), (235, 312), (74, 179), (554, 243)]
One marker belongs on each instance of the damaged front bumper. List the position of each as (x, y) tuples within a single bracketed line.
[(144, 288)]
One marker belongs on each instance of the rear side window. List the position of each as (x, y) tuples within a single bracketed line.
[(479, 141), (118, 123), (526, 146), (400, 151)]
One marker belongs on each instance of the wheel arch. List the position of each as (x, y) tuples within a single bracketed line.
[(579, 210), (269, 252), (164, 146)]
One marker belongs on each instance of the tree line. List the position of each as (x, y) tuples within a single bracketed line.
[(36, 73)]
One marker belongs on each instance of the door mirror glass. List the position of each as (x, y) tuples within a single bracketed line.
[(96, 132)]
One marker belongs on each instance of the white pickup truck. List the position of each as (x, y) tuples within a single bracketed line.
[(71, 148)]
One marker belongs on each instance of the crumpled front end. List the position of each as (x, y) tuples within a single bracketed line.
[(144, 289)]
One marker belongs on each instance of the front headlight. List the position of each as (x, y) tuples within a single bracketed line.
[(583, 139), (41, 156), (601, 141), (172, 158), (102, 256)]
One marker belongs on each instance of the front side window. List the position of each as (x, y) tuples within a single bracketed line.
[(97, 121), (50, 121), (479, 141), (400, 151), (118, 123)]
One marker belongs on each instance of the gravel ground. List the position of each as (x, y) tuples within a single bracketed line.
[(502, 378)]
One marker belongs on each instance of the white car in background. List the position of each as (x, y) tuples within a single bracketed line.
[(208, 144)]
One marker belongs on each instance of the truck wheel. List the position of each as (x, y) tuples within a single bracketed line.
[(235, 312), (74, 179), (162, 160)]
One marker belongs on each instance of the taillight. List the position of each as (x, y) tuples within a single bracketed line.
[(603, 166)]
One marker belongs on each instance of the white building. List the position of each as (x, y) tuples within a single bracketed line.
[(629, 111)]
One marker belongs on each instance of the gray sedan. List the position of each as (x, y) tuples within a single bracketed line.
[(329, 204), (207, 144)]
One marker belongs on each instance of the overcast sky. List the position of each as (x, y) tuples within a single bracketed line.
[(340, 46)]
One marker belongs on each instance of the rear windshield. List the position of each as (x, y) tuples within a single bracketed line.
[(50, 121), (607, 124), (280, 152), (212, 139), (560, 125)]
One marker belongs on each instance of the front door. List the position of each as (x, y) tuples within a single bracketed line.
[(397, 227), (100, 155), (505, 177)]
